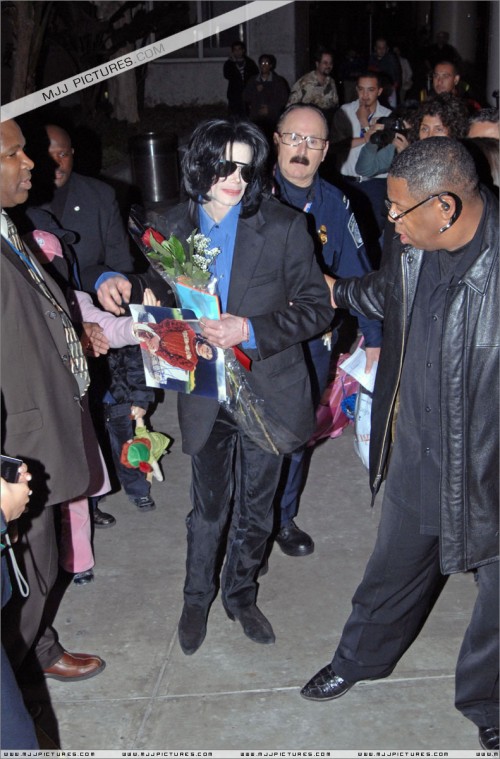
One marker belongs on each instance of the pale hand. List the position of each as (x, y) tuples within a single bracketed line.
[(149, 298), (330, 281), (362, 114), (372, 355), (137, 412), (112, 292), (225, 332)]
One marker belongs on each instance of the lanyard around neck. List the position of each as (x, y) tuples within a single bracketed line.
[(24, 258)]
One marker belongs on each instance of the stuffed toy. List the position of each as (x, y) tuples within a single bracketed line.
[(144, 451)]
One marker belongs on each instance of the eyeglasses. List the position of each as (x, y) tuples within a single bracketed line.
[(224, 169), (294, 139), (398, 216)]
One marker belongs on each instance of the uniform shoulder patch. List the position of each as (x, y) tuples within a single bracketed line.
[(354, 231)]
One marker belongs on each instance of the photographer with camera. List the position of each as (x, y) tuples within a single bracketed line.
[(390, 136)]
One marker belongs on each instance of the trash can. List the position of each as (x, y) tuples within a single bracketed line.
[(154, 165)]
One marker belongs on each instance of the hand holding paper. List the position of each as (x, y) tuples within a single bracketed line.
[(355, 366)]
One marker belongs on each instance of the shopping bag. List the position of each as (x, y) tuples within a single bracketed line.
[(362, 425), (335, 410)]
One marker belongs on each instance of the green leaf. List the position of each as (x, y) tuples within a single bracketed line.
[(176, 249), (165, 260), (156, 246)]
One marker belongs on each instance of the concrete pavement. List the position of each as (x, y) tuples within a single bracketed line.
[(233, 693)]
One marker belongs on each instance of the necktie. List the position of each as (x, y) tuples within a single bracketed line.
[(77, 361)]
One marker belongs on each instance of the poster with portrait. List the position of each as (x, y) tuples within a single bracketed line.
[(175, 354)]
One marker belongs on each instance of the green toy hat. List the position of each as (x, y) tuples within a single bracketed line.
[(136, 454)]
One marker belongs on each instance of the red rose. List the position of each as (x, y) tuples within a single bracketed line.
[(157, 236)]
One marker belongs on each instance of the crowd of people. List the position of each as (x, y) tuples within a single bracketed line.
[(384, 210)]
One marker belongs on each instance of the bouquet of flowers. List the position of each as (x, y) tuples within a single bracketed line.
[(178, 264), (187, 271)]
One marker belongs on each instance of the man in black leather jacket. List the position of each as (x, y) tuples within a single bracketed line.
[(435, 411)]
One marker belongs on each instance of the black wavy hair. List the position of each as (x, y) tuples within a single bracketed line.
[(207, 147), (200, 340), (450, 109)]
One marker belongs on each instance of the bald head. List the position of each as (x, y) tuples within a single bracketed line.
[(300, 163), (61, 152)]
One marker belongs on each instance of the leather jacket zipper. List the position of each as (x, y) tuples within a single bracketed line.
[(378, 478)]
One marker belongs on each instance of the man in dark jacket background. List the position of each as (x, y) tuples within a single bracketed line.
[(435, 411), (237, 70)]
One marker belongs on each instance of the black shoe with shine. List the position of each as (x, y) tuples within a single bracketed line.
[(101, 519), (192, 628), (325, 685), (294, 542), (255, 625), (489, 738)]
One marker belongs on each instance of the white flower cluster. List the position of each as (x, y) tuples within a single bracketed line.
[(203, 255)]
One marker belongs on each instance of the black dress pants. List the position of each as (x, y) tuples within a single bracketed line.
[(401, 584), (25, 620), (233, 486)]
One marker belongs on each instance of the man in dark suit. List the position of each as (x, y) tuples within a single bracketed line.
[(89, 209), (44, 378), (272, 297)]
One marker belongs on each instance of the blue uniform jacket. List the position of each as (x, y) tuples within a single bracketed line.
[(342, 249)]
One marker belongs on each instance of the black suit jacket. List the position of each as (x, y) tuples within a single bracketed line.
[(89, 208), (276, 283)]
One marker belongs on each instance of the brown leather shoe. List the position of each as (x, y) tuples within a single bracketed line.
[(72, 667)]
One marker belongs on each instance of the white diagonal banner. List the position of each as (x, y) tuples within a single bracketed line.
[(139, 57)]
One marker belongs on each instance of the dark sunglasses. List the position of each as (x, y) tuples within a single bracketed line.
[(225, 168)]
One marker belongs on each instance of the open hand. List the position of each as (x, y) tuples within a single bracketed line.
[(94, 341), (149, 298)]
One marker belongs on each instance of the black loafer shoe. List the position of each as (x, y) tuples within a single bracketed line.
[(254, 623), (325, 685), (101, 519), (489, 738), (192, 628), (294, 542)]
